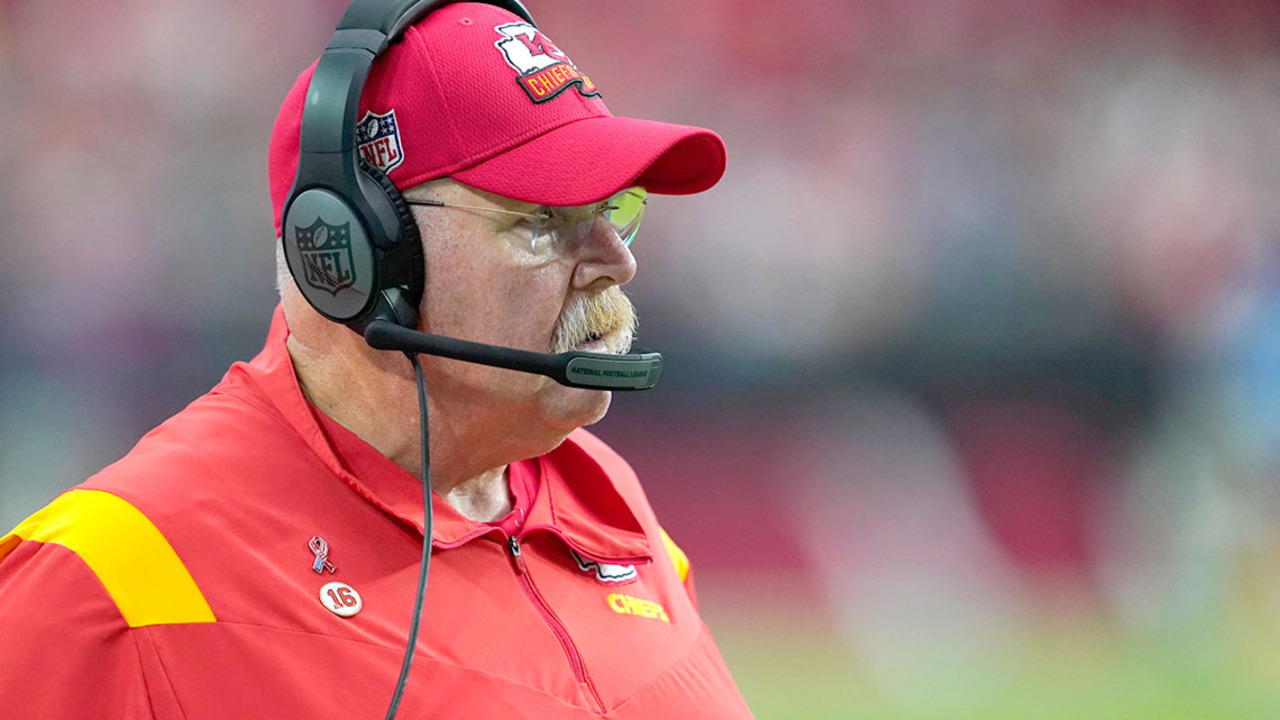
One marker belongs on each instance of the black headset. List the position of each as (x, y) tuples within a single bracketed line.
[(349, 238)]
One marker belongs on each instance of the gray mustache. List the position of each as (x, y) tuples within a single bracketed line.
[(599, 315)]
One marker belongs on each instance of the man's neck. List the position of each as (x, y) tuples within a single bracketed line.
[(484, 498), (387, 418)]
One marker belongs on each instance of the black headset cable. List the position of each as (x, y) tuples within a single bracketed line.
[(425, 565)]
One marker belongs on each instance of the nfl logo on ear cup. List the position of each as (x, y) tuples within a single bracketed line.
[(329, 255)]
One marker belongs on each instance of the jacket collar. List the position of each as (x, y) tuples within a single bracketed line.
[(577, 501)]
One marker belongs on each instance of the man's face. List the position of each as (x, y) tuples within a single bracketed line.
[(489, 281)]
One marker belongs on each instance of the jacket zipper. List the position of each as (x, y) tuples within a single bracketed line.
[(552, 621)]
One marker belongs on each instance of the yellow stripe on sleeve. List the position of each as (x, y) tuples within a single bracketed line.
[(678, 558), (135, 563)]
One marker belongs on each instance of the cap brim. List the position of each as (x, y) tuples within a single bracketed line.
[(588, 160)]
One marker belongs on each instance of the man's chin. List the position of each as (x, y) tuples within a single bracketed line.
[(566, 409)]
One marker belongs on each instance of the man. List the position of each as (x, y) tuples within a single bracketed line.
[(257, 554)]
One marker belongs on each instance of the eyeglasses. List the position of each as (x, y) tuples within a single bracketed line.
[(559, 228)]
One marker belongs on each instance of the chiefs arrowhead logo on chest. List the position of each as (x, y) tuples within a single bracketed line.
[(605, 573)]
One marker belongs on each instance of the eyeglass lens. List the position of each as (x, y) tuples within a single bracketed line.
[(623, 212)]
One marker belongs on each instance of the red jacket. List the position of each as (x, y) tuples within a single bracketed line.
[(180, 583)]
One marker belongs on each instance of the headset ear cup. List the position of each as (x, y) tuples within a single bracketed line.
[(405, 213), (403, 265)]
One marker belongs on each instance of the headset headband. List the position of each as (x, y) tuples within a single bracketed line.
[(366, 30), (334, 200)]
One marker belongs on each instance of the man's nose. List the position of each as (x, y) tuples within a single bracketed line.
[(603, 259)]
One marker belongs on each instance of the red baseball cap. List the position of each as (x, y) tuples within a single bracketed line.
[(475, 93)]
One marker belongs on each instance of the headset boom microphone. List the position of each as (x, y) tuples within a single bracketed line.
[(595, 371)]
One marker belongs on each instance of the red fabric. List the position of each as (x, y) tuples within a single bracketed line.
[(62, 640), (461, 110), (241, 480)]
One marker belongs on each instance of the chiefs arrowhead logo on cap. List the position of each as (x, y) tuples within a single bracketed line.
[(544, 70)]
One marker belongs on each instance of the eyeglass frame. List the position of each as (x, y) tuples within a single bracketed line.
[(544, 213)]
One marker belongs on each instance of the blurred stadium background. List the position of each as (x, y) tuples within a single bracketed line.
[(973, 395)]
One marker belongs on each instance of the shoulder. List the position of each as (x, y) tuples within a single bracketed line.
[(212, 450), (131, 528), (87, 535), (233, 415), (76, 577)]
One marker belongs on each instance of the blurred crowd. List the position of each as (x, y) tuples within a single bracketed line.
[(975, 351)]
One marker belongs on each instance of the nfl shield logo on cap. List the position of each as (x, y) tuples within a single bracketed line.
[(378, 137)]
